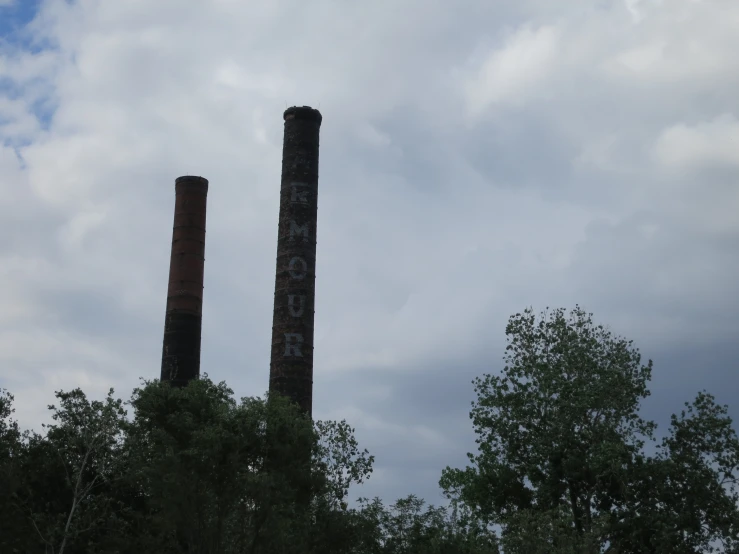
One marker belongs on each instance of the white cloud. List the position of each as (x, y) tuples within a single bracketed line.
[(512, 73), (74, 232), (633, 7), (678, 41), (705, 144)]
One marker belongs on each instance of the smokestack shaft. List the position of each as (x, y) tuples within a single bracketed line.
[(291, 364), (183, 320)]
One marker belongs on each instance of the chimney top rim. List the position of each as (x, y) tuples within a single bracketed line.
[(192, 179), (303, 112)]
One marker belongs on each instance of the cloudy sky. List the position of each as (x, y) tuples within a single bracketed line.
[(477, 158)]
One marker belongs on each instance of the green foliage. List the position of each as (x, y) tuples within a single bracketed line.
[(561, 464), (10, 451), (193, 471), (685, 496), (407, 528), (227, 476), (61, 479), (561, 468), (337, 457), (534, 531)]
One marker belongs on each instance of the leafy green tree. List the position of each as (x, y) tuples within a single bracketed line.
[(223, 476), (409, 526), (685, 497), (12, 522), (59, 479), (193, 471), (533, 531), (561, 463)]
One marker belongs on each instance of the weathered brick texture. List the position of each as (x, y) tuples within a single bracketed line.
[(183, 320), (291, 364)]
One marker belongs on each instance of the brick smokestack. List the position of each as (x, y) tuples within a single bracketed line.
[(183, 320), (291, 364)]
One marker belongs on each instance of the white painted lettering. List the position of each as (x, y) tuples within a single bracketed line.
[(298, 230), (292, 344), (296, 311), (299, 196), (295, 273)]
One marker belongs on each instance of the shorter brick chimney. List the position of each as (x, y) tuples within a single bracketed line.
[(183, 320)]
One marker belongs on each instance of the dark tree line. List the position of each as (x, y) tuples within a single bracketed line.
[(562, 467)]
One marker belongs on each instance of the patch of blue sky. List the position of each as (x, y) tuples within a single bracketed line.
[(14, 20), (44, 109), (16, 36)]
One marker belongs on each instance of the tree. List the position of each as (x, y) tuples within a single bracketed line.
[(533, 531), (408, 526), (188, 473), (62, 476), (11, 521), (205, 465), (561, 463), (685, 497)]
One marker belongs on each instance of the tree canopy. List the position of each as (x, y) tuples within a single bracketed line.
[(565, 463), (187, 473), (562, 465)]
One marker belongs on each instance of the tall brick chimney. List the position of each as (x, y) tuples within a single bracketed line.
[(291, 364), (183, 320)]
